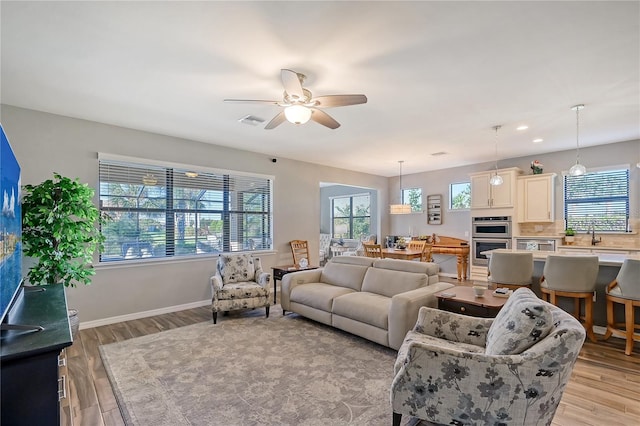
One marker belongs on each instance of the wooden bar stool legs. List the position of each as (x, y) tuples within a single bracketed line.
[(625, 291), (628, 330), (552, 296)]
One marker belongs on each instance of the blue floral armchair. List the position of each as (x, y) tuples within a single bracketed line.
[(511, 370), (239, 283)]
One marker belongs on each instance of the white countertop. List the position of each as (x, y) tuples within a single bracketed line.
[(599, 248), (605, 258)]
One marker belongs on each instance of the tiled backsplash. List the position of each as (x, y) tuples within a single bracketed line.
[(631, 239)]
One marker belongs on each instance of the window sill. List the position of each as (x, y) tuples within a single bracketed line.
[(134, 263)]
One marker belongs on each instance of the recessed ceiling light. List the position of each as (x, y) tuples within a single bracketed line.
[(191, 174), (523, 127), (537, 140)]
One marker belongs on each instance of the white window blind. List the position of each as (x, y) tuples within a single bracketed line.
[(597, 199), (161, 211)]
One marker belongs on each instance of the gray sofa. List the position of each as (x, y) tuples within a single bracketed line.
[(377, 299)]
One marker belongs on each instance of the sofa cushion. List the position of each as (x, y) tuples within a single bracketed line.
[(317, 295), (343, 275), (369, 308), (389, 282), (522, 321), (236, 268), (428, 268), (241, 290), (353, 260)]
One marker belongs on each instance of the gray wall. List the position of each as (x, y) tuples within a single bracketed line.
[(327, 192), (46, 143)]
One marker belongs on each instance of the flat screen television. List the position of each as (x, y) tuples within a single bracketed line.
[(10, 227)]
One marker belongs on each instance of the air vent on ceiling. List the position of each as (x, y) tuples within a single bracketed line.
[(252, 120), (438, 154)]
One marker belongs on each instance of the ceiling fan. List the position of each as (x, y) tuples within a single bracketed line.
[(300, 105)]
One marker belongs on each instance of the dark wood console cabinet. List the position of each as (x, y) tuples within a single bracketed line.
[(31, 388)]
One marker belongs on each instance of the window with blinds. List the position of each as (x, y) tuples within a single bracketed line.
[(597, 199), (158, 211)]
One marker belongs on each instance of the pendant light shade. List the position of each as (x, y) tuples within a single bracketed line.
[(400, 208), (577, 169), (496, 179)]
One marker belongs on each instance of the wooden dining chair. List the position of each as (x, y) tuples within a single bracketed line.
[(300, 250), (372, 250), (423, 247)]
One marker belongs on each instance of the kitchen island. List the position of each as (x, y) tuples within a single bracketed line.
[(610, 264)]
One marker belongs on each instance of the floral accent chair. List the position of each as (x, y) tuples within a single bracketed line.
[(511, 370), (239, 283)]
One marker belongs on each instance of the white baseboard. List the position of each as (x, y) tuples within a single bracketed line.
[(144, 314)]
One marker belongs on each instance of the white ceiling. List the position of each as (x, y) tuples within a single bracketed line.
[(438, 75)]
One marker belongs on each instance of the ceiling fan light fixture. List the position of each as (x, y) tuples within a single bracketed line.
[(297, 114)]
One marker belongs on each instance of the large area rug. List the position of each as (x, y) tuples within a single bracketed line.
[(251, 371)]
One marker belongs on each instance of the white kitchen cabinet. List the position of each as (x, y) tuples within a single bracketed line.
[(486, 196), (536, 200)]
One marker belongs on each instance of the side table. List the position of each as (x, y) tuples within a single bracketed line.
[(466, 302), (281, 271)]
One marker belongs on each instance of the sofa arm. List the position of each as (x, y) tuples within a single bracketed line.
[(403, 311), (294, 279), (452, 326)]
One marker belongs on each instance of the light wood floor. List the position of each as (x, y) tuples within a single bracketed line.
[(604, 388)]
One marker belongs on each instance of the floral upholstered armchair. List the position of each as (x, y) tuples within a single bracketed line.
[(239, 283), (511, 370)]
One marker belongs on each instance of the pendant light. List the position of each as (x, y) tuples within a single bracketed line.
[(496, 179), (400, 208), (577, 169)]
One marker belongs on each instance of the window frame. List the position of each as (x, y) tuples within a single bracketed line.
[(351, 216), (626, 199), (172, 181), (451, 208)]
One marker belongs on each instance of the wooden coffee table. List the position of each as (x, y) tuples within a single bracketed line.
[(466, 302)]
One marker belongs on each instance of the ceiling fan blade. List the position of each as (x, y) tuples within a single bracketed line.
[(276, 121), (254, 101), (292, 84), (339, 100), (323, 118)]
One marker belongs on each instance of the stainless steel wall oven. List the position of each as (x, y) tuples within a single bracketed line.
[(489, 233)]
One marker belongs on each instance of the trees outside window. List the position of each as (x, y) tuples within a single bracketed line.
[(160, 211), (460, 196), (351, 216), (413, 197)]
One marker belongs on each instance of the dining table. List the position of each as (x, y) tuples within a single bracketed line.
[(405, 254)]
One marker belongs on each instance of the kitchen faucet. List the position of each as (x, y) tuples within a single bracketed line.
[(594, 241)]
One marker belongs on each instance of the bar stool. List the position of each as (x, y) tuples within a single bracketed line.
[(511, 270), (572, 277), (625, 289)]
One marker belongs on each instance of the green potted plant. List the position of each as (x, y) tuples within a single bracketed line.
[(569, 236), (60, 231)]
